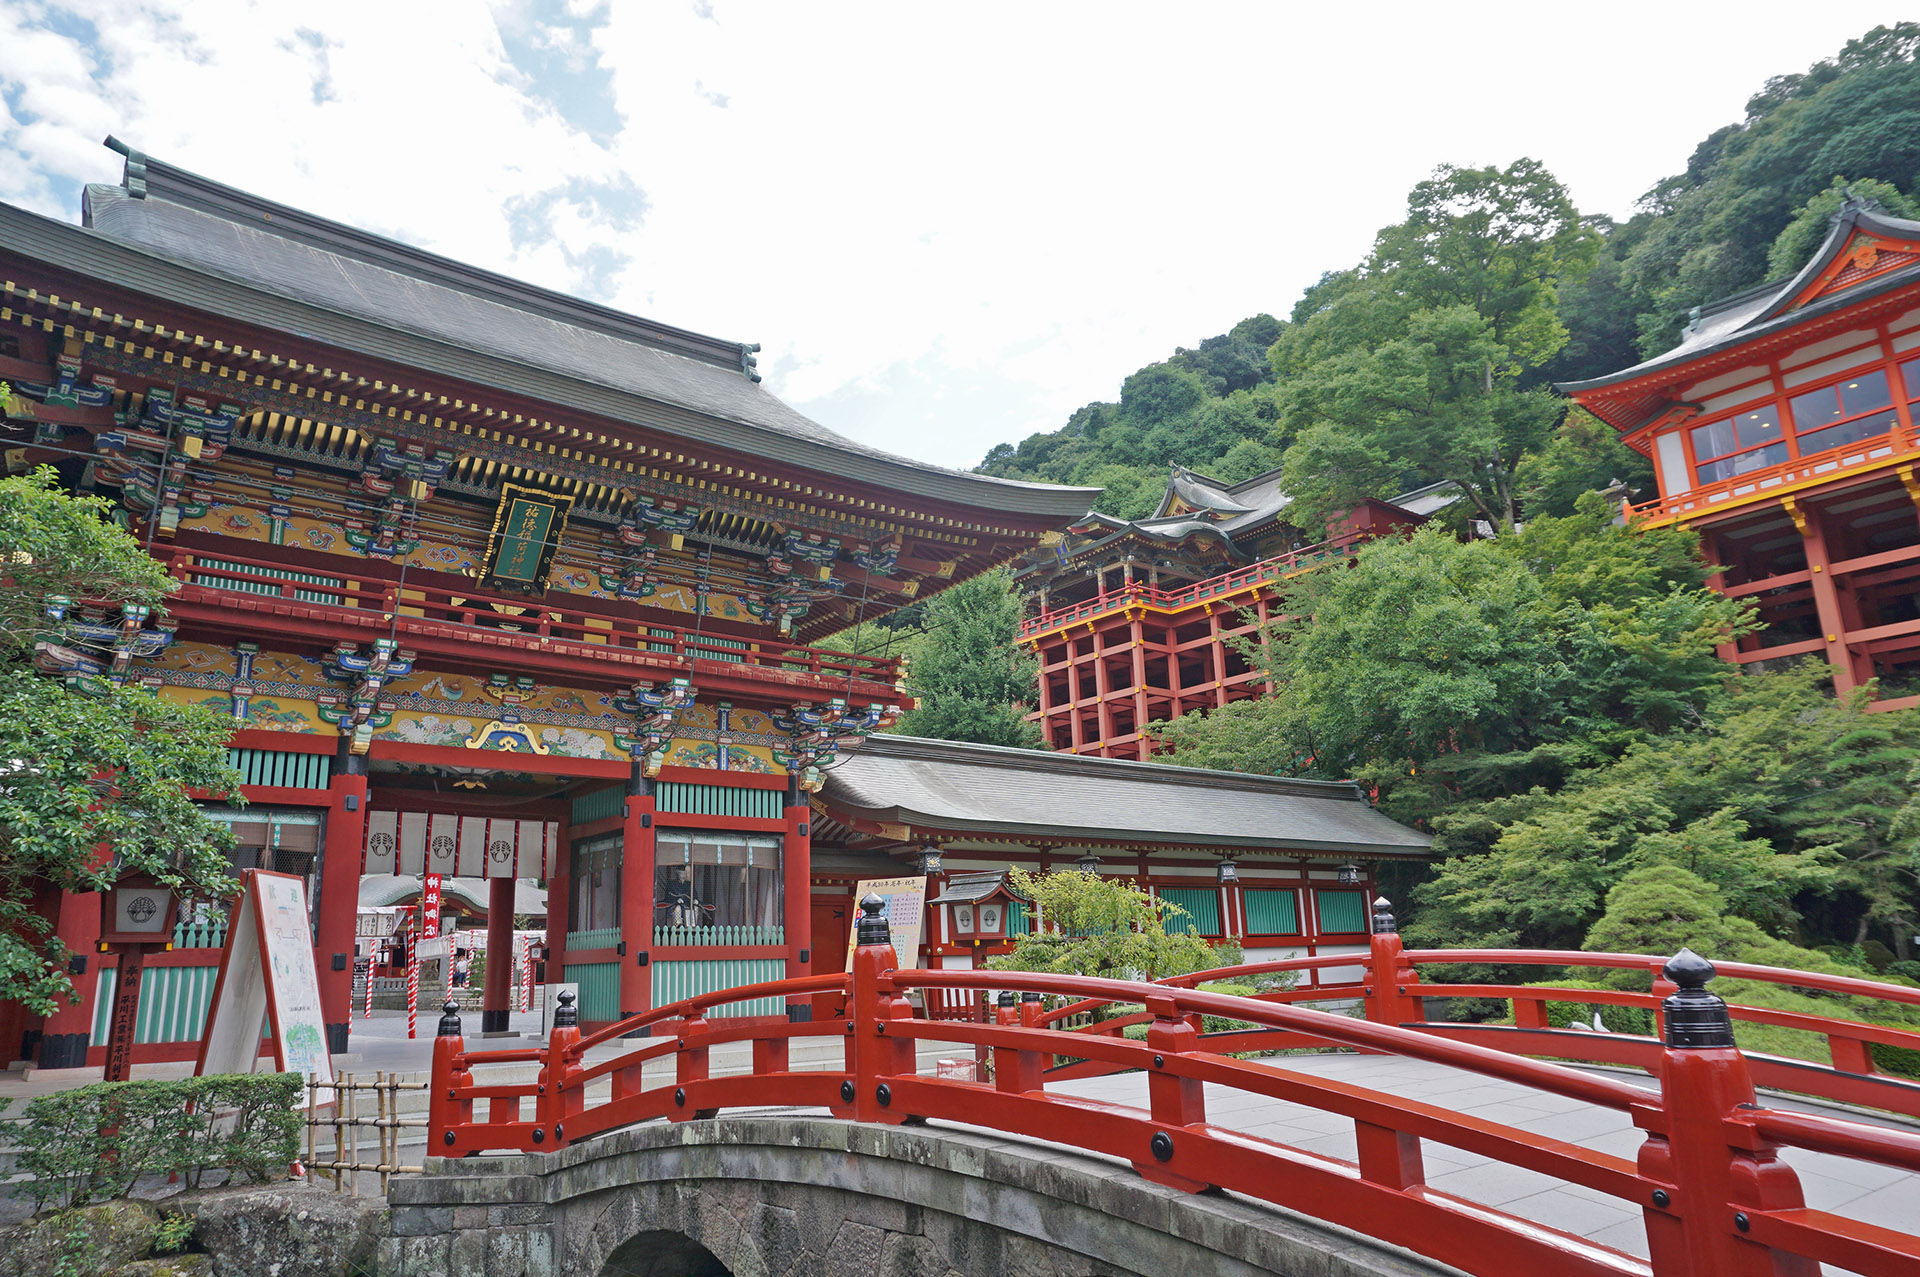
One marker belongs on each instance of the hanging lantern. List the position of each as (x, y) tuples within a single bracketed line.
[(1349, 875), (1228, 872)]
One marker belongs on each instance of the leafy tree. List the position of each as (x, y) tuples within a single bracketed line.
[(1444, 672), (1583, 455), (90, 773), (969, 675), (1098, 926), (1497, 241), (1795, 246)]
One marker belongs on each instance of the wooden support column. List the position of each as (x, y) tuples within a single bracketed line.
[(339, 889), (1711, 550), (1218, 650), (1103, 692), (496, 995), (65, 1034), (636, 893), (796, 852), (1826, 595)]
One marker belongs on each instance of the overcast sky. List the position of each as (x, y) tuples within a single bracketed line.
[(948, 225)]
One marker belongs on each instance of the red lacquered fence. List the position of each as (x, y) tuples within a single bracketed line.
[(585, 627), (1716, 1200)]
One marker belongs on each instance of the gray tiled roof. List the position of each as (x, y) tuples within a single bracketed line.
[(202, 244), (943, 785), (1763, 309)]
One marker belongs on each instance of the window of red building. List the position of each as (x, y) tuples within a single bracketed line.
[(1859, 407), (1749, 440)]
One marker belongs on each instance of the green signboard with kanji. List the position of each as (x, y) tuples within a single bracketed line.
[(526, 533)]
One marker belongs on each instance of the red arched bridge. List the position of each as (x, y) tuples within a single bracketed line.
[(1716, 1198)]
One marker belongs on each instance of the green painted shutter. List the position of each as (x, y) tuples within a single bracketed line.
[(1202, 905), (1273, 913), (719, 800), (1341, 911)]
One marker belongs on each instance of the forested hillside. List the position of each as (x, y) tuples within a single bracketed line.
[(1430, 359), (1548, 700)]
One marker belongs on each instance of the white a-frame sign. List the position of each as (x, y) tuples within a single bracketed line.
[(267, 983)]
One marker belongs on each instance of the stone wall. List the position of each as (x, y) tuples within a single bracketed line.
[(815, 1197)]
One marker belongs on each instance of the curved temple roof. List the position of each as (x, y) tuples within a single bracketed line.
[(173, 234), (1770, 307), (1024, 793)]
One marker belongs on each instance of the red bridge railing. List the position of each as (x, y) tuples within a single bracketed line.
[(1717, 1200)]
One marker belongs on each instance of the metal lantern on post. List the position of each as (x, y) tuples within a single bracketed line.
[(136, 915), (980, 906)]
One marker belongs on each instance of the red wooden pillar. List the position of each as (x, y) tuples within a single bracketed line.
[(1103, 691), (339, 889), (1826, 596), (1137, 649), (559, 919), (498, 991), (796, 860), (1217, 650), (636, 894), (65, 1034)]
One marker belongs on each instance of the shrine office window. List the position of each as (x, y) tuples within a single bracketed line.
[(1748, 440), (593, 890), (285, 841), (704, 878), (1859, 407)]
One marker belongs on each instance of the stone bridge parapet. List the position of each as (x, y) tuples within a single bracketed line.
[(797, 1196)]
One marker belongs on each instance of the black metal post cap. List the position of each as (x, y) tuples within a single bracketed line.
[(450, 1019), (1162, 1146), (1383, 919), (1029, 997), (446, 1137), (846, 1092), (873, 927), (1007, 998), (564, 1016), (539, 1135), (559, 1131), (1695, 1018), (884, 1094)]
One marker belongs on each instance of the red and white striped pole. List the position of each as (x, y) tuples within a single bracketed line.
[(524, 950), (413, 980), (371, 963)]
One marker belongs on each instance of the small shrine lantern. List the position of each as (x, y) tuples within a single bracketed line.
[(137, 909), (978, 907)]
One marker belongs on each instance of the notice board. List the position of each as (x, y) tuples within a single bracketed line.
[(906, 908), (267, 983)]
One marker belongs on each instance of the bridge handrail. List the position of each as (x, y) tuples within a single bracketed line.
[(1169, 1002), (1644, 962), (683, 1009), (1716, 1201)]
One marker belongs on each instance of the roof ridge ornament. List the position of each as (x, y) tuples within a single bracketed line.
[(748, 364), (134, 178)]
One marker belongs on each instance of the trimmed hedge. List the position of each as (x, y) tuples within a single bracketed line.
[(93, 1142)]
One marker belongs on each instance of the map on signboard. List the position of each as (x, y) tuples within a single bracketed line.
[(267, 983)]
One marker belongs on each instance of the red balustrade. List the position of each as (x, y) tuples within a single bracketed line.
[(1213, 587), (577, 628), (1716, 1199), (1877, 451)]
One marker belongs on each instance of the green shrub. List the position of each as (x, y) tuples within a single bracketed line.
[(94, 1142)]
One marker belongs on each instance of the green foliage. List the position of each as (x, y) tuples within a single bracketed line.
[(1780, 797), (110, 770), (94, 1142), (1101, 927), (970, 676), (173, 1234), (1443, 672), (1583, 455), (1796, 245)]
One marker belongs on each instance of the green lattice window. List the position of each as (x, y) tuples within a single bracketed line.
[(1341, 911), (1203, 909), (1019, 919), (1273, 913)]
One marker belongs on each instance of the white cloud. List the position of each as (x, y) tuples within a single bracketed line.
[(949, 226)]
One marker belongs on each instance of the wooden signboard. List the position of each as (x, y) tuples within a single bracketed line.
[(906, 909), (267, 982), (527, 528)]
